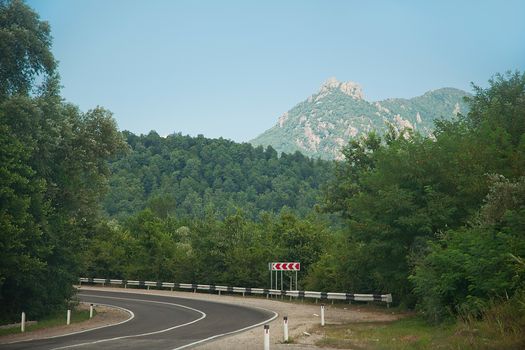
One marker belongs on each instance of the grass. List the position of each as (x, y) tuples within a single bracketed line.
[(500, 325), (414, 333), (54, 320), (408, 333), (289, 341)]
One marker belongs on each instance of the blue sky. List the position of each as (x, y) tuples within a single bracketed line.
[(231, 68)]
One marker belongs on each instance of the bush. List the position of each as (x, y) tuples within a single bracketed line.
[(467, 268)]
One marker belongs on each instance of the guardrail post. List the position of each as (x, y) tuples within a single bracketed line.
[(322, 315), (285, 325), (68, 318), (23, 322), (266, 337), (91, 311)]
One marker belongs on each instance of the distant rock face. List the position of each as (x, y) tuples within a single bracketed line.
[(327, 120), (348, 88)]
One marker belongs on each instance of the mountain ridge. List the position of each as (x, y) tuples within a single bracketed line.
[(327, 120)]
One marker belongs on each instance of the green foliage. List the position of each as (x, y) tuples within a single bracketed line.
[(194, 177), (24, 49), (501, 328), (231, 251), (55, 319), (467, 267), (52, 174), (411, 205)]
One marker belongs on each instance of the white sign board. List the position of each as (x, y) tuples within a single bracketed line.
[(285, 266)]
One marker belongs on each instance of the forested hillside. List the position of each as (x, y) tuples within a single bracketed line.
[(195, 177)]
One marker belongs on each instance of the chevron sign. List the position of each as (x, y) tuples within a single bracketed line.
[(285, 266)]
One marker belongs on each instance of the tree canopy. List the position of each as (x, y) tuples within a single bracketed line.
[(25, 48), (412, 206), (53, 171), (196, 176)]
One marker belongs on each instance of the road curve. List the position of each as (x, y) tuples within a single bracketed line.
[(157, 323)]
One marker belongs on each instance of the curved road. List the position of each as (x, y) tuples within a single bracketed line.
[(158, 322)]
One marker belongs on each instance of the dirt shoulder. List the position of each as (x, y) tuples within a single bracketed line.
[(104, 316), (302, 316)]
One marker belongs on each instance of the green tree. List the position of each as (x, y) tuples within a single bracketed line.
[(199, 173), (400, 194), (468, 267), (54, 171), (25, 49)]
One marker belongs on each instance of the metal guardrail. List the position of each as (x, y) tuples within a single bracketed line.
[(387, 298)]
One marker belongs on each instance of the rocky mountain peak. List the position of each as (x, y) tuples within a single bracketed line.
[(348, 88), (324, 123)]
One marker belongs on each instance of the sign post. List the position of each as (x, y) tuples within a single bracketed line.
[(271, 275)]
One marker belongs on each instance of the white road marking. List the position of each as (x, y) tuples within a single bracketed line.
[(275, 314), (203, 315), (132, 316), (217, 302)]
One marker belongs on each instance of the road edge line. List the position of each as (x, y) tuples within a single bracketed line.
[(142, 334), (131, 313), (275, 315)]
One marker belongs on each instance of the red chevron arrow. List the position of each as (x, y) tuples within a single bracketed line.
[(280, 266), (295, 266)]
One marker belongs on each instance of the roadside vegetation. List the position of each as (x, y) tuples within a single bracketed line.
[(55, 319), (437, 221), (500, 327)]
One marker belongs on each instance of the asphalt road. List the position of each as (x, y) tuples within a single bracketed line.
[(159, 322)]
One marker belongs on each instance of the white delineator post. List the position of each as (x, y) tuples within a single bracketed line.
[(23, 322), (266, 337), (285, 325), (68, 321), (91, 311), (322, 314)]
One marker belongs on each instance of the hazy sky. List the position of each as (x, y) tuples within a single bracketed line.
[(231, 68)]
